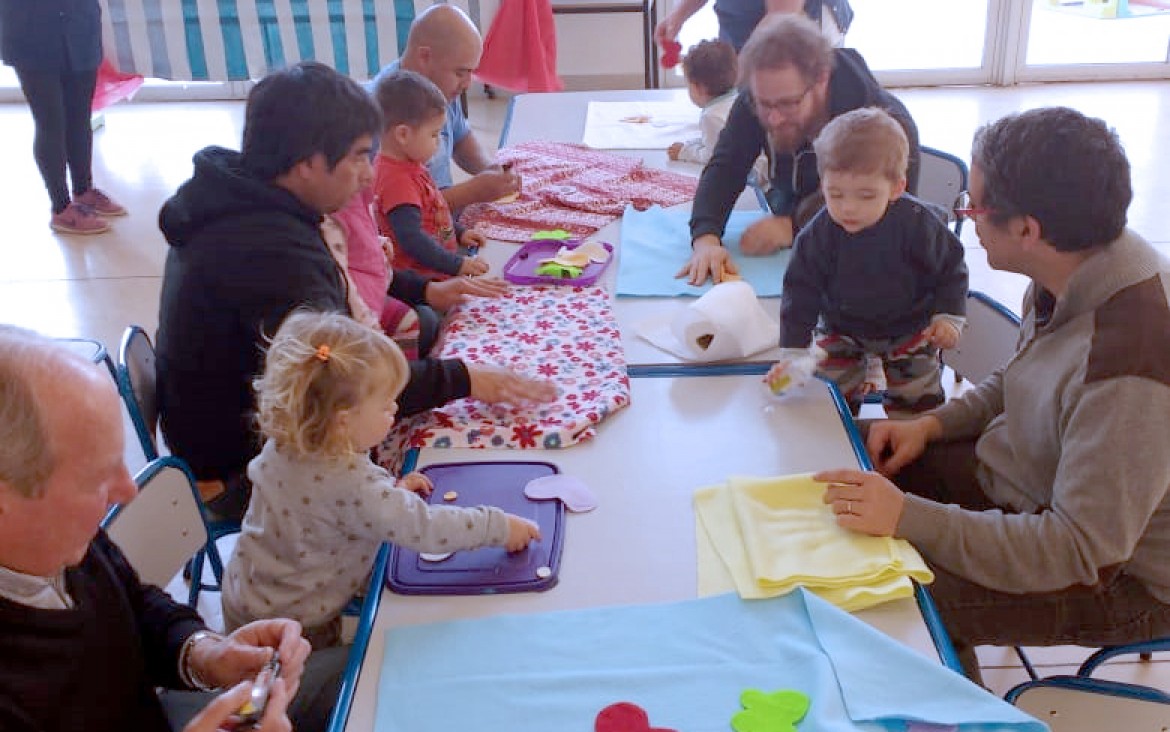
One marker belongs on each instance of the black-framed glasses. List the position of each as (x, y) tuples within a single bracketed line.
[(964, 208), (785, 106)]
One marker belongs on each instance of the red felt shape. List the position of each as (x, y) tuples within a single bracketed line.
[(625, 717), (671, 53)]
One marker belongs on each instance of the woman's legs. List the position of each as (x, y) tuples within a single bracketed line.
[(46, 99), (77, 94)]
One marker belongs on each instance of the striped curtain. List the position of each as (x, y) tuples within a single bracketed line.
[(234, 40)]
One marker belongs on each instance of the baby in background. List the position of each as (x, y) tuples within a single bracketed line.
[(710, 68), (874, 273), (411, 210), (320, 507)]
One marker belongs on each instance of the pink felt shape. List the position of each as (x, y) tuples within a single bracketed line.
[(625, 717), (569, 490)]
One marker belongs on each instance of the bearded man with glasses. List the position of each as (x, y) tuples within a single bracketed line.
[(793, 82)]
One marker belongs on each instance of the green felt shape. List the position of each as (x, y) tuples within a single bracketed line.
[(778, 711), (554, 234), (565, 271)]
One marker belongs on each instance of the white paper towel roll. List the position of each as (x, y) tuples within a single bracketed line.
[(726, 323)]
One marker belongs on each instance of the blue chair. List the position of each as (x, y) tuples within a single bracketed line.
[(941, 178), (164, 527), (1082, 704), (138, 387)]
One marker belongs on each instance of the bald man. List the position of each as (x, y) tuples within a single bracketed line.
[(445, 46), (85, 643)]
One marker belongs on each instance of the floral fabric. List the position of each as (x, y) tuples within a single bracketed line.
[(575, 188), (567, 335)]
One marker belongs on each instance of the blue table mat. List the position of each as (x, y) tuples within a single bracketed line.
[(685, 663), (656, 243)]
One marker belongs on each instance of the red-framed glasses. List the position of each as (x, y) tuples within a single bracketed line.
[(964, 209)]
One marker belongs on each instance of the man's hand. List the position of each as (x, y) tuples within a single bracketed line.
[(219, 713), (894, 444), (443, 296), (673, 151), (942, 334), (240, 656), (472, 266), (709, 258), (863, 501), (667, 30), (766, 236), (496, 182), (497, 384)]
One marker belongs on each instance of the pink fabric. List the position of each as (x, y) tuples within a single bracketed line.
[(567, 335), (575, 188), (520, 50), (113, 86), (366, 259)]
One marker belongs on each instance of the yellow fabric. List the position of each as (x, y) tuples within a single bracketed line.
[(765, 536)]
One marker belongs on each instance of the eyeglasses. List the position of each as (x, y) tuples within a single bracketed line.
[(964, 209), (782, 105)]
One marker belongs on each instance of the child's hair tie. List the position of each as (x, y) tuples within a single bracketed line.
[(322, 353)]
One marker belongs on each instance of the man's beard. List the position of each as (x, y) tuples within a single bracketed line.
[(789, 138)]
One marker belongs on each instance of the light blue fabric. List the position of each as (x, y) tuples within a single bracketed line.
[(685, 663), (454, 130), (656, 244)]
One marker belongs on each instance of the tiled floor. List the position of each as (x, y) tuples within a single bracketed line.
[(95, 286)]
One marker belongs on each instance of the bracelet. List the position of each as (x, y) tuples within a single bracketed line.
[(187, 674)]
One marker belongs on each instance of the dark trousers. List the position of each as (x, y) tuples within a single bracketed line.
[(1117, 610), (60, 102)]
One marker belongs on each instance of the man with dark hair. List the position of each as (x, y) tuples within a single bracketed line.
[(792, 83), (246, 249), (1040, 497)]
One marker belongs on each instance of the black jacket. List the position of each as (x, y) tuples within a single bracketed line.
[(887, 281), (851, 86), (244, 254), (93, 668), (51, 35)]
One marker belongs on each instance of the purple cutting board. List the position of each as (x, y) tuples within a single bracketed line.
[(491, 569), (521, 267)]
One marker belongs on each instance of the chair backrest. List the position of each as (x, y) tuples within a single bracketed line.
[(163, 527), (1078, 704), (988, 341), (137, 385), (941, 178)]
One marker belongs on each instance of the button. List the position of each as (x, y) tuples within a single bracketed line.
[(450, 496), (544, 572)]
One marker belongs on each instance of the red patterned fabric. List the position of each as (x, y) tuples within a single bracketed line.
[(566, 335), (575, 188)]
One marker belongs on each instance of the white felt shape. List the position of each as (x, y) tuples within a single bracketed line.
[(569, 490)]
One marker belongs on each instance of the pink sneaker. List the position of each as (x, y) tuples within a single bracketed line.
[(77, 218), (101, 204)]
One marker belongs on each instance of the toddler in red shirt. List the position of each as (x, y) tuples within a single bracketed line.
[(411, 210)]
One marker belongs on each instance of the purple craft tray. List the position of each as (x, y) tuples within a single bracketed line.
[(521, 267), (488, 570)]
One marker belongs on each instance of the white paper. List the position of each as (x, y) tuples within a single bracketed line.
[(611, 125), (726, 323)]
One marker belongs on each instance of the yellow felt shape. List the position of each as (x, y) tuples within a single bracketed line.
[(595, 250), (766, 536)]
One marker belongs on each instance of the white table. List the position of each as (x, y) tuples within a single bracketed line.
[(646, 461)]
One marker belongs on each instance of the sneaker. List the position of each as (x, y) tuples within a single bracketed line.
[(102, 204), (77, 218)]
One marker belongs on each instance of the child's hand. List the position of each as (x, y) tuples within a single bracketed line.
[(472, 239), (521, 532), (417, 483), (777, 376), (673, 151), (472, 266), (942, 333)]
